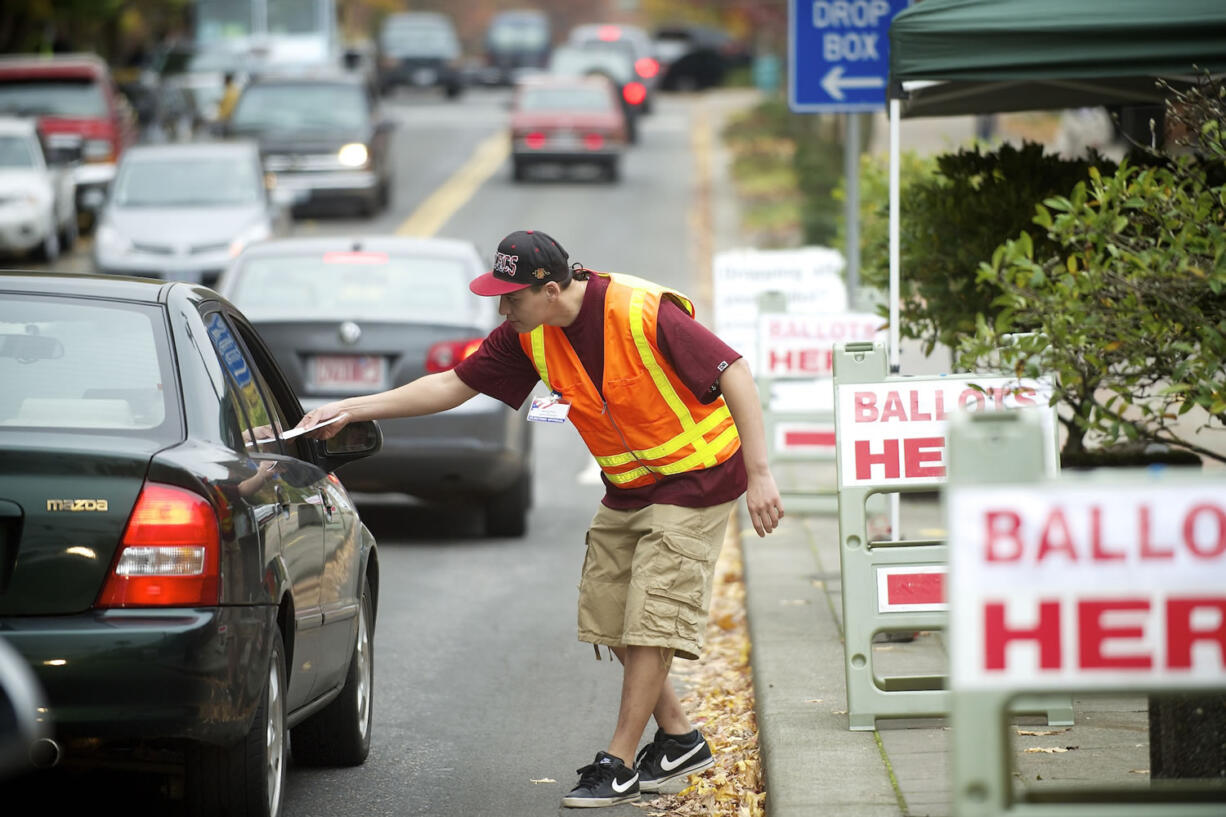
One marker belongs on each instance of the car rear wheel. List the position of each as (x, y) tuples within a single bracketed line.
[(247, 779), (49, 250), (612, 170), (339, 735), (68, 235), (506, 513), (519, 169)]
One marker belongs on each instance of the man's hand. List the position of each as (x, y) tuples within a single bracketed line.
[(325, 412), (764, 503)]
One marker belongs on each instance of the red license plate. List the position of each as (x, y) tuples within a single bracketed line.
[(348, 372)]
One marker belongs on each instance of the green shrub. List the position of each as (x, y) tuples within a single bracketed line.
[(952, 217)]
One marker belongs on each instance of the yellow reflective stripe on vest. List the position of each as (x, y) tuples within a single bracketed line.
[(538, 355), (678, 467), (664, 449), (663, 385)]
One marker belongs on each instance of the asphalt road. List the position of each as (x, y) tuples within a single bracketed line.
[(485, 702)]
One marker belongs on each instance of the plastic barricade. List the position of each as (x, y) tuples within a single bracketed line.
[(890, 431), (1107, 582)]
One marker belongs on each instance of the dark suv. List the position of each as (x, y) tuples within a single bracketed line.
[(320, 135), (419, 49)]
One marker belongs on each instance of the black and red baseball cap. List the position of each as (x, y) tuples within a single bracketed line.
[(525, 258)]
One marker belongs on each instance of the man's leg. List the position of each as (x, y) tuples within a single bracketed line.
[(646, 691)]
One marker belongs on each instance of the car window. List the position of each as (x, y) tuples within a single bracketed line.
[(259, 426), (602, 58), (57, 97), (301, 106), (419, 39), (518, 34), (179, 181), (565, 99), (80, 365), (354, 286), (16, 151)]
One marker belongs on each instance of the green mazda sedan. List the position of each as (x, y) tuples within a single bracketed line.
[(183, 573)]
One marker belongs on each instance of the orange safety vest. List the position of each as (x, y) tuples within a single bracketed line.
[(649, 424)]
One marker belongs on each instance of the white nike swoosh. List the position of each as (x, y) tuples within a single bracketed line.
[(668, 765), (621, 789)]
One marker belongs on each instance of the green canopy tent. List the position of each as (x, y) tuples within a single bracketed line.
[(951, 57)]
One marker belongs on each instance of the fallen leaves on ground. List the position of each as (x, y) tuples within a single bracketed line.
[(717, 691)]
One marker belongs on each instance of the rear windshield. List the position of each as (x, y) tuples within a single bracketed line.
[(423, 38), (518, 34), (81, 365), (192, 181), (301, 106), (81, 98), (356, 286), (597, 58), (565, 99)]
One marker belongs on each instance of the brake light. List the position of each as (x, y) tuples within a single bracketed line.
[(355, 257), (634, 93), (535, 140), (446, 354), (169, 555), (646, 67), (609, 34), (593, 141)]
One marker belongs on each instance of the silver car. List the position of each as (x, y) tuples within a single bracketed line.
[(182, 211), (345, 315)]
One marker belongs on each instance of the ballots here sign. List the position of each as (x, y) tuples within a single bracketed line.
[(1088, 586), (802, 345), (893, 432)]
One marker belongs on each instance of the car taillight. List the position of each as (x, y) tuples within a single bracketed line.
[(534, 140), (634, 93), (646, 67), (169, 555), (446, 354), (593, 141)]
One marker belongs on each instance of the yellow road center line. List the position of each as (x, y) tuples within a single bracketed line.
[(433, 213)]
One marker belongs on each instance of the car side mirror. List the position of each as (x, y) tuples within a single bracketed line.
[(355, 441)]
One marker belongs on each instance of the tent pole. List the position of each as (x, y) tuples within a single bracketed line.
[(895, 133), (895, 115)]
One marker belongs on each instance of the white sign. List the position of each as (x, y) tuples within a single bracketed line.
[(1088, 586), (893, 433), (809, 279), (801, 345)]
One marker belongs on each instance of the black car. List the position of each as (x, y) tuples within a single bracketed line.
[(419, 49), (321, 136), (517, 42), (188, 580)]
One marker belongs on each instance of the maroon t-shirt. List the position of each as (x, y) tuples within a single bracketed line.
[(501, 369)]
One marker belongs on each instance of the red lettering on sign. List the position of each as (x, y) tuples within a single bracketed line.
[(893, 408), (1092, 632), (1098, 553), (997, 636), (1148, 551), (916, 414), (866, 407), (1056, 538), (1181, 635), (1003, 543), (1215, 545), (791, 438), (865, 459), (969, 396), (919, 452)]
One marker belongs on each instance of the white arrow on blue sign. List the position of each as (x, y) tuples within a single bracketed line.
[(839, 54)]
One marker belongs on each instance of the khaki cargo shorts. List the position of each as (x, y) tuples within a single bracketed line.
[(647, 576)]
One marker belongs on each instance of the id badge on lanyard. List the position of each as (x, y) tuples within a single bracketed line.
[(551, 409)]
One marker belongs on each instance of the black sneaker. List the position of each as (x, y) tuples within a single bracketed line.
[(606, 782), (668, 757)]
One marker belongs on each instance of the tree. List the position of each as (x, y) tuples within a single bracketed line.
[(1128, 314)]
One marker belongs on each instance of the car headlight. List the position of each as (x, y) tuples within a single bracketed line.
[(96, 150), (254, 233), (353, 154), (112, 242)]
